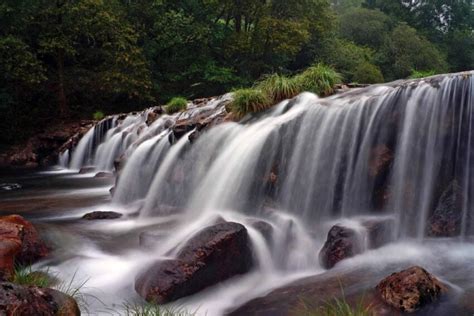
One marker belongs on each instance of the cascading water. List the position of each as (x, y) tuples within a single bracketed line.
[(383, 151)]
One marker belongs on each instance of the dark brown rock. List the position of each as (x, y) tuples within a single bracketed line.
[(380, 231), (98, 215), (14, 227), (16, 300), (85, 170), (213, 255), (447, 217), (342, 242), (103, 175), (410, 289)]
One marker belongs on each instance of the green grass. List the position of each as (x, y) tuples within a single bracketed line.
[(249, 100), (319, 79), (154, 310), (336, 307), (74, 290), (415, 74), (278, 87), (26, 276), (176, 104), (98, 115)]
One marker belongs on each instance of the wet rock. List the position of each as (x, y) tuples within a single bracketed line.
[(150, 239), (85, 170), (9, 249), (10, 186), (103, 175), (447, 217), (26, 301), (341, 243), (98, 215), (380, 231), (15, 227), (213, 255), (410, 289), (380, 159), (264, 228)]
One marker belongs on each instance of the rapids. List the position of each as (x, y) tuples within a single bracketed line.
[(302, 166)]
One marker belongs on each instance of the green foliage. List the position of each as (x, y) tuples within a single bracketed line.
[(278, 87), (319, 79), (26, 276), (176, 104), (98, 115), (415, 74), (367, 73), (154, 310), (249, 101)]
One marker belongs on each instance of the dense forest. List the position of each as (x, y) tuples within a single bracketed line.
[(69, 59)]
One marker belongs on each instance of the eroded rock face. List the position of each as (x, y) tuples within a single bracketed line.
[(410, 289), (447, 217), (97, 215), (15, 227), (342, 242), (213, 255), (26, 301)]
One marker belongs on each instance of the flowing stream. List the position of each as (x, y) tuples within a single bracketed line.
[(386, 151)]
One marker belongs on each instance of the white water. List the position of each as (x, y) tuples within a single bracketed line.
[(319, 151)]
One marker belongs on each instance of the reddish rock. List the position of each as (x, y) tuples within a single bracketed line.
[(213, 255), (410, 289), (342, 242), (32, 247), (16, 300), (98, 215), (103, 175)]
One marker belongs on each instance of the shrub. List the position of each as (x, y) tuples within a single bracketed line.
[(278, 87), (249, 101), (98, 115), (319, 79), (368, 73), (25, 276), (176, 104), (415, 74)]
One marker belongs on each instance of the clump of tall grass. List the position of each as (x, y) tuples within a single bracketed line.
[(149, 309), (26, 276), (319, 79), (249, 100), (278, 87), (98, 115), (176, 104), (335, 307)]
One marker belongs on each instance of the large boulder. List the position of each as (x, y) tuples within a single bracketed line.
[(410, 289), (446, 218), (215, 254), (14, 230), (20, 300)]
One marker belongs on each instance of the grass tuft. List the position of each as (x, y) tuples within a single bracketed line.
[(336, 307), (176, 104), (319, 79), (26, 276), (278, 87), (249, 100), (149, 309)]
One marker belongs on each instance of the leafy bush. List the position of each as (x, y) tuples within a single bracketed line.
[(176, 104), (98, 115), (249, 100), (415, 74), (278, 87), (319, 79), (25, 276), (368, 73)]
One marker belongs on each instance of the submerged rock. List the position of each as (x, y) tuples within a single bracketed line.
[(97, 215), (26, 301), (14, 229), (103, 175), (342, 242), (85, 170), (447, 217), (410, 289), (214, 254)]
